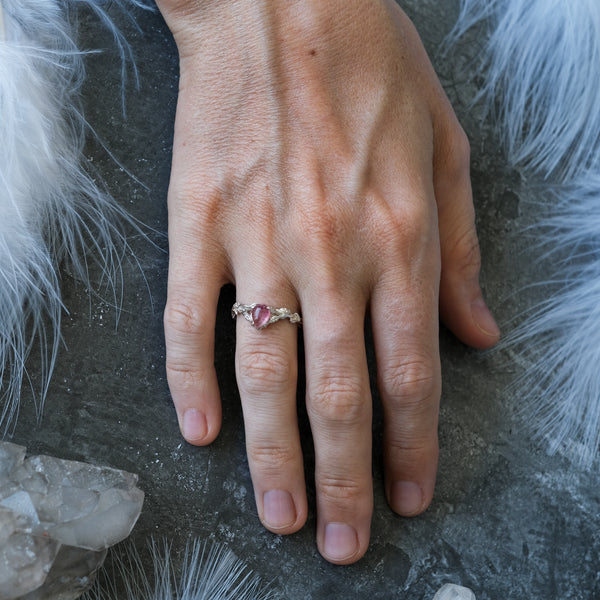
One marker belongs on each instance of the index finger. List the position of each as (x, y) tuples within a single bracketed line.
[(196, 275)]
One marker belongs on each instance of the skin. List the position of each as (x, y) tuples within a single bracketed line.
[(318, 165)]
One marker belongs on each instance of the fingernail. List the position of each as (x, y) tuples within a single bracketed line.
[(341, 541), (194, 426), (279, 509), (483, 318), (406, 498)]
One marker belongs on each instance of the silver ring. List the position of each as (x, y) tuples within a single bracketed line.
[(261, 315)]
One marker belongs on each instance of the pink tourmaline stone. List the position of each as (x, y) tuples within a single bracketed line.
[(260, 316)]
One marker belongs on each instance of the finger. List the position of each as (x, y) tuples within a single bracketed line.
[(266, 367), (196, 274), (404, 311), (404, 315), (462, 307), (340, 412)]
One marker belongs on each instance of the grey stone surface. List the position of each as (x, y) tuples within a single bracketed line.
[(507, 521), (57, 520)]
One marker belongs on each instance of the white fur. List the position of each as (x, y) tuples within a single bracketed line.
[(560, 389), (208, 573), (541, 65), (52, 210)]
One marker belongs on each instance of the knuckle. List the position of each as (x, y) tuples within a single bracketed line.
[(410, 444), (182, 318), (321, 225), (321, 234), (182, 374), (318, 221), (263, 370), (339, 398), (406, 226), (185, 331), (340, 490), (270, 458), (412, 381), (388, 227), (412, 225), (416, 213)]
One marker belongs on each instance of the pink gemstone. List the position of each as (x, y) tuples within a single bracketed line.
[(260, 316)]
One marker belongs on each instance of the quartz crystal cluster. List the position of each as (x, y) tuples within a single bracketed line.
[(450, 591), (57, 520)]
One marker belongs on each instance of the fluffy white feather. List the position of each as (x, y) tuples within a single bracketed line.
[(541, 65), (52, 209), (560, 387), (207, 573)]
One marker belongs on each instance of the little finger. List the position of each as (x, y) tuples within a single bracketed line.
[(405, 328)]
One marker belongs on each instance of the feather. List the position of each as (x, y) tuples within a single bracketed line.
[(560, 387), (541, 68), (53, 208), (208, 573)]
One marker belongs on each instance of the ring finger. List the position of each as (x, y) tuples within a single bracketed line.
[(266, 369)]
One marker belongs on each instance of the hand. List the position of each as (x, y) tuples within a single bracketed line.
[(318, 165)]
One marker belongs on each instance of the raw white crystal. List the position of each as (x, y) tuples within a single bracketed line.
[(57, 519), (10, 455), (25, 559), (20, 503), (450, 591)]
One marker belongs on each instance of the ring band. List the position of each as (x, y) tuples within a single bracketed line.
[(261, 315)]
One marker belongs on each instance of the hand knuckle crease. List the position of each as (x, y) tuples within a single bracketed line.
[(411, 442), (182, 374), (339, 398), (411, 380), (270, 457), (262, 369), (182, 318), (339, 488)]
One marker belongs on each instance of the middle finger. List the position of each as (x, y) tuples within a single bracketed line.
[(340, 412)]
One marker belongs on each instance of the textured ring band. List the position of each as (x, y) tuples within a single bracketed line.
[(261, 315)]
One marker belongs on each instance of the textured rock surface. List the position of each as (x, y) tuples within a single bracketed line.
[(57, 519)]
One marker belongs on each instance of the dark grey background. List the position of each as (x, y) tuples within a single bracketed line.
[(507, 520)]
